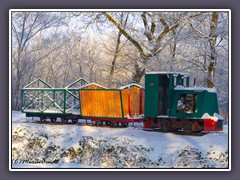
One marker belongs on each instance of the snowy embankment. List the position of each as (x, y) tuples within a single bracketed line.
[(36, 145)]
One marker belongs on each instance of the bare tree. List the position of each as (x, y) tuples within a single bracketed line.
[(210, 38), (156, 39), (25, 26)]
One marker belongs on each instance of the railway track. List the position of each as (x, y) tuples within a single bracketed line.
[(108, 126), (78, 124)]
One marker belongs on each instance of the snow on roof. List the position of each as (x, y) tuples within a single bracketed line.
[(129, 85), (90, 84), (167, 72), (195, 88)]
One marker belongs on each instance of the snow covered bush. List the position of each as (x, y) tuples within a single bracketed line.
[(99, 147), (106, 153), (112, 152), (191, 157)]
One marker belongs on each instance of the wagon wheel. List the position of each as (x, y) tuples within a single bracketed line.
[(124, 124), (53, 119), (165, 125), (43, 119), (64, 119), (107, 123), (188, 127), (74, 121), (98, 122), (114, 124)]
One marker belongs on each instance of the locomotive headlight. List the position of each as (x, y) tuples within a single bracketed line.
[(214, 123)]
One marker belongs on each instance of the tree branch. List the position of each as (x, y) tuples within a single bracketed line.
[(118, 25), (147, 32), (153, 26)]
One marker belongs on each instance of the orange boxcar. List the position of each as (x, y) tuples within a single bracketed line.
[(126, 102), (101, 103)]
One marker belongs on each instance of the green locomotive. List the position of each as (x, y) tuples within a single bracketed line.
[(171, 104)]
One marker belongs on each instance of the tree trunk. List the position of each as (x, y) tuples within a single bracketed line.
[(213, 54), (139, 73), (114, 58), (173, 48), (116, 52), (16, 105), (137, 77)]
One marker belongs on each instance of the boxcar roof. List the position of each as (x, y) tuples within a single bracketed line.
[(130, 85), (90, 84)]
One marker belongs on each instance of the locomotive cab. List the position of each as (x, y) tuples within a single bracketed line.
[(157, 91), (170, 104)]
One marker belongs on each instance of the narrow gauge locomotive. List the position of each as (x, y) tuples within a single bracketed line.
[(166, 103)]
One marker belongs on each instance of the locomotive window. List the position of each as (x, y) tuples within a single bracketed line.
[(174, 80), (184, 81), (186, 103)]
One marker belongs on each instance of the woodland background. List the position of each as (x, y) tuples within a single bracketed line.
[(117, 48)]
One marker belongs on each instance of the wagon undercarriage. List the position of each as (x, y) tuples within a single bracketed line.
[(70, 118)]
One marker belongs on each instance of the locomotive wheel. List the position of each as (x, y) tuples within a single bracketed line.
[(165, 125), (53, 119), (64, 120), (74, 121), (43, 119), (188, 127), (124, 124)]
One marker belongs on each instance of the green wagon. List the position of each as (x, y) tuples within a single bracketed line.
[(39, 99)]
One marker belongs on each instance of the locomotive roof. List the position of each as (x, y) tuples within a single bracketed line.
[(167, 72), (195, 88)]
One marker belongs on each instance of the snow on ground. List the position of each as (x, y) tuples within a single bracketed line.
[(36, 145)]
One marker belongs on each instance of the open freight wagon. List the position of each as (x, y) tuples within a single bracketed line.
[(83, 100), (112, 106)]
